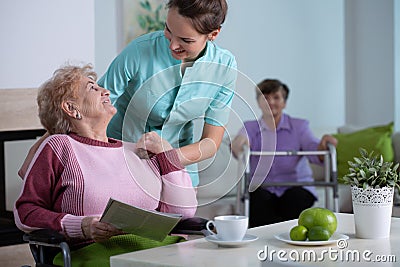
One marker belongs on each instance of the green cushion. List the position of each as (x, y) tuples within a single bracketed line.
[(377, 139)]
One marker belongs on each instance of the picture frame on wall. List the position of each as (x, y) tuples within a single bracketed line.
[(140, 17)]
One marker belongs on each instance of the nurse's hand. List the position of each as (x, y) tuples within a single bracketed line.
[(150, 144)]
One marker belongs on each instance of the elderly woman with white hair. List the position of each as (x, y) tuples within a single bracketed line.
[(77, 168)]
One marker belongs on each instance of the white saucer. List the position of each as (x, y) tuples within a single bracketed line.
[(246, 239), (335, 238)]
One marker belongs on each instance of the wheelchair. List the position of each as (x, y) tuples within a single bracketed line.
[(45, 244)]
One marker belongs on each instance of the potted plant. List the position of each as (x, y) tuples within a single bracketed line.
[(372, 182)]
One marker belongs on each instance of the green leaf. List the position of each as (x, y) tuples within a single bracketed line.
[(363, 152), (142, 22), (396, 167), (357, 160), (365, 186), (146, 5), (372, 170)]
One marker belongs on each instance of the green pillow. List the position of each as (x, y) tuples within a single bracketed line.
[(377, 139)]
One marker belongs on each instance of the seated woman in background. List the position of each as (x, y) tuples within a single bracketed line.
[(78, 168), (274, 204)]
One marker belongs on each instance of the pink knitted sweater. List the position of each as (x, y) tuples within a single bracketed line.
[(72, 176)]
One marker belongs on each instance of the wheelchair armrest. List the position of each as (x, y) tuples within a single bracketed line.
[(44, 236), (191, 226), (45, 244)]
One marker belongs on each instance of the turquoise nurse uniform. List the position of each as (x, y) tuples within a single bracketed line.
[(151, 94)]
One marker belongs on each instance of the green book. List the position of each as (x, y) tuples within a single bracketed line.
[(147, 223)]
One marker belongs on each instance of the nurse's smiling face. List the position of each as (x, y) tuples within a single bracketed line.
[(186, 43)]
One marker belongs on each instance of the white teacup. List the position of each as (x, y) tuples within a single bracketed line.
[(229, 227)]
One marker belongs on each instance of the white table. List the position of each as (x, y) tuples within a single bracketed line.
[(200, 252)]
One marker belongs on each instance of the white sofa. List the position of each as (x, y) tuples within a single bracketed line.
[(220, 175), (218, 183)]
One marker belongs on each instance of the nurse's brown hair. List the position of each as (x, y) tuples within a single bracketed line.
[(206, 15)]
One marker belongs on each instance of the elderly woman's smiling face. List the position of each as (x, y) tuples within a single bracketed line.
[(94, 101)]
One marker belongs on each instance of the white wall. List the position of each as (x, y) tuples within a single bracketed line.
[(108, 33), (36, 38), (308, 44), (39, 36), (370, 76), (396, 11), (336, 56), (299, 42)]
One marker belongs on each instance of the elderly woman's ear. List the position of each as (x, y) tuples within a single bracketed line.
[(71, 110)]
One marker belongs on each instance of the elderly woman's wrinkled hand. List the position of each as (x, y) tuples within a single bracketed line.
[(92, 228), (323, 144), (327, 139), (151, 143)]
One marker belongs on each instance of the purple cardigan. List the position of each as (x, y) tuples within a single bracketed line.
[(291, 134)]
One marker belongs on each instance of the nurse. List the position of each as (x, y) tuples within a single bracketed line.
[(167, 80)]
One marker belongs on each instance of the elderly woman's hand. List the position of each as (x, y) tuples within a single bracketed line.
[(323, 144), (150, 144), (327, 139), (92, 228)]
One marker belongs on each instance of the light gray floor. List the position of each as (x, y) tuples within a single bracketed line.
[(16, 255)]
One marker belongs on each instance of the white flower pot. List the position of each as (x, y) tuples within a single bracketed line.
[(372, 211)]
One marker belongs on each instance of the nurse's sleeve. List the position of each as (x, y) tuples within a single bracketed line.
[(121, 71), (218, 112)]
